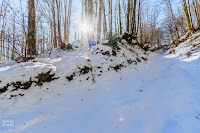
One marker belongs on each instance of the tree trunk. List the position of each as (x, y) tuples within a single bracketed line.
[(120, 19), (13, 49), (58, 22), (65, 22), (31, 28), (82, 18), (104, 22), (133, 18), (187, 16), (139, 13), (69, 19), (190, 16), (196, 11), (99, 21), (90, 19), (128, 15), (111, 29), (54, 24)]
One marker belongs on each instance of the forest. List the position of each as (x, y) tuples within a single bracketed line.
[(28, 28), (100, 66)]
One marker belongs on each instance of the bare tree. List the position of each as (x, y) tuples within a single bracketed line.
[(99, 21), (13, 49), (186, 10), (133, 29), (120, 20), (128, 16), (31, 28), (58, 7), (196, 6), (69, 19)]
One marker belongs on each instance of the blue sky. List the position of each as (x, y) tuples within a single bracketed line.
[(77, 9), (76, 13)]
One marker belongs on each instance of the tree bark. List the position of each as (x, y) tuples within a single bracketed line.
[(133, 18), (99, 21), (58, 22), (120, 19), (128, 16), (31, 28), (187, 16), (69, 19)]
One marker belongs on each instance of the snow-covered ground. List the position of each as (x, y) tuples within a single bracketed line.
[(158, 96), (189, 49)]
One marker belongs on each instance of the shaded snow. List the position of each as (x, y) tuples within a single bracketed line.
[(5, 64)]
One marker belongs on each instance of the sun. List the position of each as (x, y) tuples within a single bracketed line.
[(84, 28)]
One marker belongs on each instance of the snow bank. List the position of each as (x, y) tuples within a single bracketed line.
[(188, 49), (78, 65)]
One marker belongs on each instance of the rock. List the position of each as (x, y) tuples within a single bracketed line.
[(4, 89), (113, 43), (27, 85), (130, 61), (71, 77), (66, 47), (99, 67), (129, 38), (13, 95), (106, 53), (85, 70), (114, 53), (21, 94), (118, 67)]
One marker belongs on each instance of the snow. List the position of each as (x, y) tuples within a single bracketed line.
[(188, 50), (157, 96), (184, 37), (8, 63), (63, 63)]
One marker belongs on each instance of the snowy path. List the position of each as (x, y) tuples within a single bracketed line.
[(163, 97)]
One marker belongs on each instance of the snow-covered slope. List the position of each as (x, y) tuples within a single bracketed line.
[(29, 86), (78, 65), (188, 49), (159, 97)]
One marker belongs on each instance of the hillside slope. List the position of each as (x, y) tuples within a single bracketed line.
[(79, 64), (160, 97), (188, 49), (46, 79), (94, 91)]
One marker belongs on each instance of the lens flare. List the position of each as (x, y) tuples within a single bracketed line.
[(121, 119), (84, 27)]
